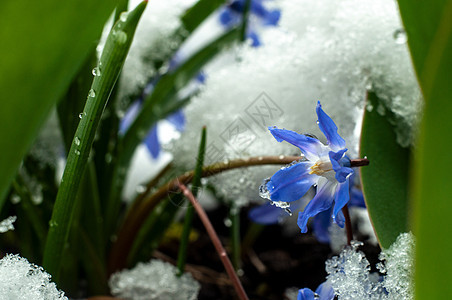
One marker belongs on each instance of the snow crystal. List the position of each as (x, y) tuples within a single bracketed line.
[(20, 279), (349, 273), (398, 266), (153, 280), (7, 224)]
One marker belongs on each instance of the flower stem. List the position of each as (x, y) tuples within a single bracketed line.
[(348, 225), (360, 162), (216, 242)]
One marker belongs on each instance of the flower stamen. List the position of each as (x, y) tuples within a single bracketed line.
[(321, 167)]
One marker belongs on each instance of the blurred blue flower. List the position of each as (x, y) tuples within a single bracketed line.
[(324, 166), (151, 140), (232, 15), (323, 292)]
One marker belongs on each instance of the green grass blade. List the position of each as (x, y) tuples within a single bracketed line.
[(43, 44), (385, 180), (196, 14), (110, 64), (196, 185), (429, 30)]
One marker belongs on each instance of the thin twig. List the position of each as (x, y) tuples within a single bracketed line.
[(216, 242), (348, 225)]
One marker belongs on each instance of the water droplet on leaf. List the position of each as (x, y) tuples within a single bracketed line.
[(92, 93), (400, 36), (96, 71)]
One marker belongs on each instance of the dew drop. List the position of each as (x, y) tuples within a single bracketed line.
[(77, 152), (263, 189), (53, 223), (80, 115), (77, 141), (123, 16), (108, 158), (400, 36), (120, 36), (227, 222), (96, 71), (140, 189), (260, 158), (281, 157), (92, 93), (317, 122), (15, 199)]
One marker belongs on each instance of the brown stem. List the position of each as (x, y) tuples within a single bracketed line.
[(136, 216), (216, 242), (360, 162), (348, 225)]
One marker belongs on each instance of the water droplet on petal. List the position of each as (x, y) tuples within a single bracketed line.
[(400, 36), (263, 189), (92, 93)]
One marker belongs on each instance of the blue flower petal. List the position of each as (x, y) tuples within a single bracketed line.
[(342, 196), (325, 291), (272, 18), (229, 18), (321, 202), (310, 147), (291, 183), (129, 116), (266, 214), (329, 129), (336, 157), (178, 120), (339, 219), (152, 142), (320, 225), (254, 38), (305, 294)]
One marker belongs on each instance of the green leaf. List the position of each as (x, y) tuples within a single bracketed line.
[(385, 180), (429, 30), (43, 44), (196, 14), (110, 64)]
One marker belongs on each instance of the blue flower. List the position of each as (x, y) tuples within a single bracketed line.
[(151, 140), (232, 15), (325, 166), (268, 214), (323, 292)]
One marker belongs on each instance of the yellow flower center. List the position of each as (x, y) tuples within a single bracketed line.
[(321, 167)]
